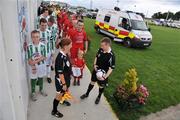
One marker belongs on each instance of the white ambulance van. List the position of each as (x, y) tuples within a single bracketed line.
[(124, 26)]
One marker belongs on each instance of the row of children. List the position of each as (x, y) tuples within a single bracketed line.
[(67, 35), (50, 29)]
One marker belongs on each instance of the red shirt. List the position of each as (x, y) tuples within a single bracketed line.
[(79, 37), (64, 15), (70, 32), (79, 63), (67, 25), (70, 25), (60, 20)]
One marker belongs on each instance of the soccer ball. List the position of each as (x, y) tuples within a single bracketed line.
[(100, 73)]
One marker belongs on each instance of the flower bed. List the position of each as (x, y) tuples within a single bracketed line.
[(129, 94)]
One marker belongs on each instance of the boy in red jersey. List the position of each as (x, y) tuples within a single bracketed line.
[(79, 40), (72, 29), (66, 26)]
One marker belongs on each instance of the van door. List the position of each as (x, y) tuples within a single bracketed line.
[(110, 22), (123, 28)]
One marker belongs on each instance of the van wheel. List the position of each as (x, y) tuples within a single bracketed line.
[(98, 30), (127, 43)]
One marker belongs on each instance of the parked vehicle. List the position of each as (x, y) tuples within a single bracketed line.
[(126, 27), (91, 14)]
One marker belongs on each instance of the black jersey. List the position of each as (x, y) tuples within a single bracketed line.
[(105, 60), (63, 66)]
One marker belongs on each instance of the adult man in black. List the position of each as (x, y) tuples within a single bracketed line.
[(105, 60)]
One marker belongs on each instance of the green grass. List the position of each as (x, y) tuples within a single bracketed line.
[(158, 68)]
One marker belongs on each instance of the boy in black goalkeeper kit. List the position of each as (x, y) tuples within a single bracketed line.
[(105, 60)]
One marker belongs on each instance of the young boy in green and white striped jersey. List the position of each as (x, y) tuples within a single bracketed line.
[(54, 31), (44, 15), (36, 59), (52, 26), (52, 12), (45, 37)]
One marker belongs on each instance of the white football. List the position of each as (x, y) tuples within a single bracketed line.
[(100, 73)]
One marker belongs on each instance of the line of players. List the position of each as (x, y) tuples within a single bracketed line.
[(65, 30), (50, 29)]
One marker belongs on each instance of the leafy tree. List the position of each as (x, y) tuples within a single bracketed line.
[(170, 15), (177, 16), (157, 15)]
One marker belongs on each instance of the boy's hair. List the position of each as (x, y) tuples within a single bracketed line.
[(34, 32), (45, 9), (65, 42), (51, 19), (106, 40), (42, 20)]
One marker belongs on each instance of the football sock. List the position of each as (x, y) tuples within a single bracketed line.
[(101, 90), (33, 85), (55, 105), (90, 87), (40, 81)]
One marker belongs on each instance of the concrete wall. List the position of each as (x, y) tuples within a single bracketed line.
[(6, 105), (16, 22)]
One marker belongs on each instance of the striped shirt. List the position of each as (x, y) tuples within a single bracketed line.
[(54, 34), (54, 15), (36, 51), (45, 37), (38, 20), (54, 31)]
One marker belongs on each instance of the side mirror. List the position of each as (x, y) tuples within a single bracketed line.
[(149, 29)]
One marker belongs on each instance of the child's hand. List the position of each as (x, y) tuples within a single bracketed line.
[(31, 62), (82, 67), (40, 59), (101, 78), (85, 51), (64, 87)]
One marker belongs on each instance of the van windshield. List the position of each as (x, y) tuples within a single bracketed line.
[(138, 25)]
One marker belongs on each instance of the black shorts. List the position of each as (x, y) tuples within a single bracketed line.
[(59, 86), (103, 83)]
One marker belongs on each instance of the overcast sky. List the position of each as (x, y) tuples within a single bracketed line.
[(148, 7)]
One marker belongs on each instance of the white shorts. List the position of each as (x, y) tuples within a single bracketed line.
[(49, 59), (48, 71), (40, 71)]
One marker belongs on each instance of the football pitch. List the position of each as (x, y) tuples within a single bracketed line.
[(158, 69)]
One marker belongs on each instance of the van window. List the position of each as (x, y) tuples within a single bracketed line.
[(124, 23), (107, 18)]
